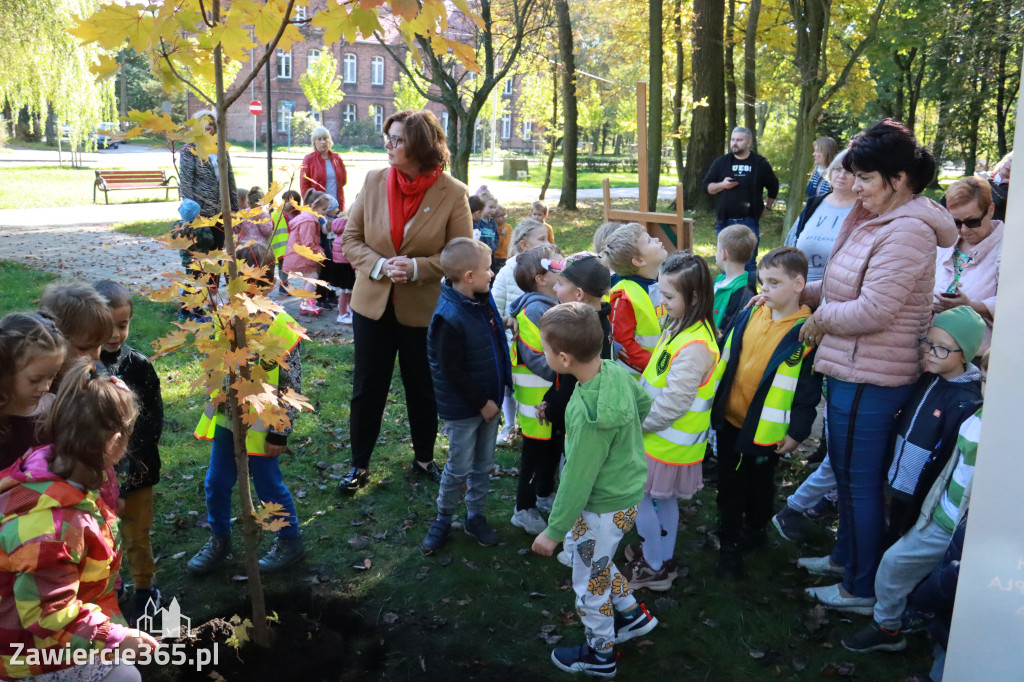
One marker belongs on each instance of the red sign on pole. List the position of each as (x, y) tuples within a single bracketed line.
[(255, 107)]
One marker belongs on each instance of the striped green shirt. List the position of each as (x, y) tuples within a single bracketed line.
[(948, 510)]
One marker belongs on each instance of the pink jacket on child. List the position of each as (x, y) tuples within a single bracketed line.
[(304, 228), (338, 228), (258, 228), (875, 299)]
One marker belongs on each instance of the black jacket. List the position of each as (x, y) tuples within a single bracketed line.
[(143, 457), (805, 398)]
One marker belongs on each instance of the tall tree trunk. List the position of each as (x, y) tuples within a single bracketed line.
[(655, 94), (941, 132), (677, 97), (730, 67), (552, 133), (915, 94), (976, 105), (707, 120), (749, 66), (570, 138)]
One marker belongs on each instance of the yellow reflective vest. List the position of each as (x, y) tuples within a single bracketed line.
[(279, 237), (684, 441), (256, 437), (773, 422), (648, 317), (527, 387)]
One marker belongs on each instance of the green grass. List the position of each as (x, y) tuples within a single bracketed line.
[(144, 228), (584, 179), (33, 186)]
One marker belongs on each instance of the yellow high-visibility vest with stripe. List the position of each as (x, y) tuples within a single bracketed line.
[(527, 387), (685, 440), (773, 422), (279, 237), (256, 436), (648, 318)]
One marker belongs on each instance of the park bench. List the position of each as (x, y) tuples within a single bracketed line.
[(110, 180)]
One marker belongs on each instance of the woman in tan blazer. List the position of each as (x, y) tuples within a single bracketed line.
[(396, 230)]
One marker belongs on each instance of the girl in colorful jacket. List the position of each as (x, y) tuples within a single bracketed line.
[(304, 230), (59, 539)]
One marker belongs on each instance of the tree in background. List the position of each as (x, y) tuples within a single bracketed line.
[(707, 126), (321, 83), (406, 94), (567, 200)]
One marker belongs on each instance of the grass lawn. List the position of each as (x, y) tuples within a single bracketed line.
[(33, 186), (145, 228), (469, 612)]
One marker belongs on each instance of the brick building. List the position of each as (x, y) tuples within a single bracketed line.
[(368, 74)]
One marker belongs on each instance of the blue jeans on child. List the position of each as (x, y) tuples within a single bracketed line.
[(220, 482), (471, 443), (753, 224), (860, 419)]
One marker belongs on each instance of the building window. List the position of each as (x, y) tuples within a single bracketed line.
[(349, 70), (506, 126), (315, 115), (377, 71), (284, 64), (377, 112), (311, 58), (444, 121), (300, 13), (527, 130), (348, 113), (284, 116), (509, 84)]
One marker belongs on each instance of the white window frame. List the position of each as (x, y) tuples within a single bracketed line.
[(377, 71), (300, 13), (349, 113), (284, 64), (350, 68), (285, 110), (527, 131), (506, 126), (444, 121), (311, 58), (377, 114), (510, 84)]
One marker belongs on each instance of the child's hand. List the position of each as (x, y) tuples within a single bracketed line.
[(139, 641), (274, 450), (787, 446), (489, 411), (513, 324), (542, 409), (543, 545)]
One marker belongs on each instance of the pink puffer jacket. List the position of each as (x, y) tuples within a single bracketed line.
[(875, 300)]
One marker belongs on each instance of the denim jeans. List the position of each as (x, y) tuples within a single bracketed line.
[(470, 458), (754, 224), (860, 419), (220, 482)]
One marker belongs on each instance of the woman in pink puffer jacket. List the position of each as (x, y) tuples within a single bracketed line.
[(872, 306)]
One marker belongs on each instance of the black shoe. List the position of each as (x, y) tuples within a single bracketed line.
[(481, 531), (353, 481), (437, 535), (430, 471), (583, 659)]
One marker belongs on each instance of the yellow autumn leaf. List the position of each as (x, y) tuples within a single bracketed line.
[(406, 9), (307, 252), (233, 38), (105, 67)]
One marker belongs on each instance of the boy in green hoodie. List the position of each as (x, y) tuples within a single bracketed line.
[(602, 484)]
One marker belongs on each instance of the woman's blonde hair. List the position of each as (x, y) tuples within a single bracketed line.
[(522, 231), (321, 133), (828, 148), (620, 249)]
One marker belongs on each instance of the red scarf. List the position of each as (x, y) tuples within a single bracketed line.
[(404, 197)]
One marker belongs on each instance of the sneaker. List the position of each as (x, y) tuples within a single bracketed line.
[(505, 436), (875, 638), (309, 309), (820, 565), (583, 659), (827, 508), (913, 621), (637, 626), (635, 550), (831, 597), (215, 552), (545, 504), (529, 520), (437, 535), (325, 305), (564, 558), (144, 603), (639, 574), (787, 522), (477, 528), (345, 318), (283, 553)]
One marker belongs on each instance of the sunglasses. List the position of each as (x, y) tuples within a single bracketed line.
[(970, 223)]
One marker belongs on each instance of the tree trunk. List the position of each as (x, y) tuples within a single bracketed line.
[(552, 134), (915, 94), (654, 96), (941, 132), (571, 136), (730, 67), (677, 97), (976, 105), (749, 69), (707, 123)]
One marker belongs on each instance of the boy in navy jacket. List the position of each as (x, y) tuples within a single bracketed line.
[(470, 366)]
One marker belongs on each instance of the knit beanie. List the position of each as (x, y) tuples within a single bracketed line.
[(188, 210), (965, 326)]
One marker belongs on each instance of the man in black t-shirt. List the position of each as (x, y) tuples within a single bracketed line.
[(738, 181)]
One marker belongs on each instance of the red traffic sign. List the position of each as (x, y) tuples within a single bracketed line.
[(255, 107)]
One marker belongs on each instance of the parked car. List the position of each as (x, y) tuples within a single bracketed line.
[(105, 141)]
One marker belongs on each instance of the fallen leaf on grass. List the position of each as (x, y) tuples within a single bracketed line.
[(548, 636), (423, 572), (538, 595), (839, 669), (179, 555), (358, 542), (444, 560), (367, 563), (463, 602), (814, 619), (710, 622), (470, 565), (380, 535), (239, 578), (389, 617)]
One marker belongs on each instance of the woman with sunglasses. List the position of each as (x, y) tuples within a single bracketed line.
[(396, 230), (871, 307), (967, 273)]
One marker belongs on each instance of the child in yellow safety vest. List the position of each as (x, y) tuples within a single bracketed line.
[(680, 380), (533, 384), (764, 406), (263, 444), (635, 256)]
